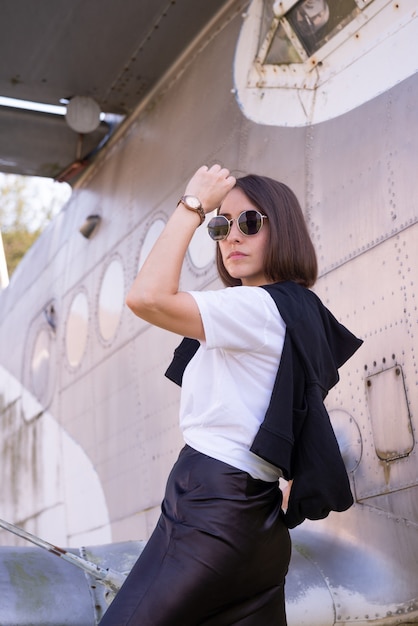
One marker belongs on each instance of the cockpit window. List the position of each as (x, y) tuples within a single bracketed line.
[(316, 21), (293, 36), (295, 58)]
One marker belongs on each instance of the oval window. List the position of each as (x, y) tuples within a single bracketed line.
[(151, 237), (40, 364), (111, 299), (202, 248), (77, 327)]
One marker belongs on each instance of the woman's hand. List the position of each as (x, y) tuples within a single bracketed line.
[(286, 487), (210, 186)]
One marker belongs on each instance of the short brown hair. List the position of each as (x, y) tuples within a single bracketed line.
[(290, 254)]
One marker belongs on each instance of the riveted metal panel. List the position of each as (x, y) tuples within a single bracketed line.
[(388, 406)]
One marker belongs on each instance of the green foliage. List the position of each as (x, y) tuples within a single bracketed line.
[(27, 205), (16, 243)]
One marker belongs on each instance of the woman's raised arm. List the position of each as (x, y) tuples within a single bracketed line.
[(154, 295)]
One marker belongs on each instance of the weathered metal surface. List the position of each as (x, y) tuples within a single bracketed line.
[(111, 52), (38, 589)]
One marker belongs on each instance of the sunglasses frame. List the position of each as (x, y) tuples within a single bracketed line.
[(236, 219)]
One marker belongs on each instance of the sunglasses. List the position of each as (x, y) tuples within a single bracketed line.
[(249, 223)]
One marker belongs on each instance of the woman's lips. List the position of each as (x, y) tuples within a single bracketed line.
[(236, 255)]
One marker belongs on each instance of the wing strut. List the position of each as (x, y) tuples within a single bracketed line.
[(106, 576)]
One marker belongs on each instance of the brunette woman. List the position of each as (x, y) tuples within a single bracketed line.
[(260, 357)]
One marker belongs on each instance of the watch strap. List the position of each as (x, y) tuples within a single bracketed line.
[(199, 210)]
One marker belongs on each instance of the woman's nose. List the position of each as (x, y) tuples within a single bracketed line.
[(234, 231)]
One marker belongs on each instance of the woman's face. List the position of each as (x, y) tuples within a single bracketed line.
[(243, 255)]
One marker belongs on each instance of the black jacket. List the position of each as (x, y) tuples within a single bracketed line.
[(296, 434)]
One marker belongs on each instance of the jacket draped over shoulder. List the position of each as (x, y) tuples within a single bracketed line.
[(296, 434)]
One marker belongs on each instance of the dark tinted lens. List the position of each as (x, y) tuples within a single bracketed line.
[(250, 222), (218, 227)]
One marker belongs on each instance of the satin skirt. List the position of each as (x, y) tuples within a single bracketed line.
[(217, 557)]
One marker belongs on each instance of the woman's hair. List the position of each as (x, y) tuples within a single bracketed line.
[(289, 254)]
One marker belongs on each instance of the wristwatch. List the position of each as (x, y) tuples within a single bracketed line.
[(193, 204)]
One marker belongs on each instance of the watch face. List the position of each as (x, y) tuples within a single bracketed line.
[(192, 202)]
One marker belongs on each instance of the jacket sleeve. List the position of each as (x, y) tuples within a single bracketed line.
[(182, 355), (321, 483), (285, 414)]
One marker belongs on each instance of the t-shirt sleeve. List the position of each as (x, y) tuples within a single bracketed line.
[(239, 318)]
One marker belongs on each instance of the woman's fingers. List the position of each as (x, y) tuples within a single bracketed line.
[(210, 185)]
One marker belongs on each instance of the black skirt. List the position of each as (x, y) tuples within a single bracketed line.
[(218, 555)]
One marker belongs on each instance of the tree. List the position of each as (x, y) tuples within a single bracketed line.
[(27, 205), (16, 244)]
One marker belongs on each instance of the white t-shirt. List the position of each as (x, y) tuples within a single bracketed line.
[(227, 386)]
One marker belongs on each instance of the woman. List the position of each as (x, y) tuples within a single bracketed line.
[(220, 552)]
